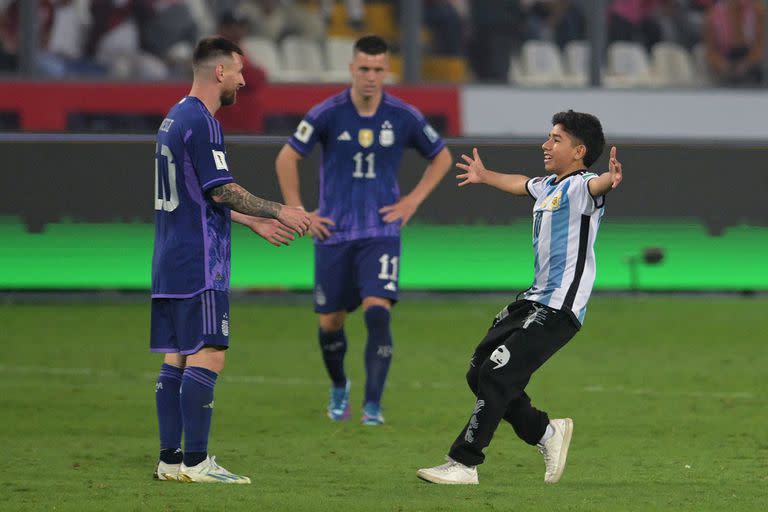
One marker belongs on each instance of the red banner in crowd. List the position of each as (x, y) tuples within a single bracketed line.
[(44, 106)]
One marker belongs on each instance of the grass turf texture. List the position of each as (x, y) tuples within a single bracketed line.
[(667, 395)]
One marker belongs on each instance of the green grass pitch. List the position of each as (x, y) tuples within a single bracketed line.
[(667, 395)]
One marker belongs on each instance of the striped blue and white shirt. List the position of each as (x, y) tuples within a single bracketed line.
[(565, 222)]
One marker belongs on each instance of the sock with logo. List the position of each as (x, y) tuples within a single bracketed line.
[(334, 347), (169, 409), (196, 409), (378, 352)]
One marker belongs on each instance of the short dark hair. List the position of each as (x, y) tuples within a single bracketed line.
[(212, 47), (371, 45), (587, 129)]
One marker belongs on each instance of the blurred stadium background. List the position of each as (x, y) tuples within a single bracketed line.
[(676, 329)]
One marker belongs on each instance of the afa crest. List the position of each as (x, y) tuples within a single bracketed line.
[(552, 202), (365, 137)]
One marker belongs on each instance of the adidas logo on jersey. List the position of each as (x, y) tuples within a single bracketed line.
[(344, 136), (391, 286)]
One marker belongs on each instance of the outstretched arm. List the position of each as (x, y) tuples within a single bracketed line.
[(406, 207), (238, 199), (608, 180), (475, 172)]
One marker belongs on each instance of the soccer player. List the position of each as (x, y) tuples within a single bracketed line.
[(568, 206), (194, 195), (363, 132)]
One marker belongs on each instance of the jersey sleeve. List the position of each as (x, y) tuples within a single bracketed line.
[(424, 138), (311, 129), (205, 146), (536, 186), (581, 198)]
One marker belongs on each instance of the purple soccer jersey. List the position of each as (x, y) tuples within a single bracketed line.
[(360, 161), (192, 232)]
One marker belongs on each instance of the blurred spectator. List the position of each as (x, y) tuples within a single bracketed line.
[(634, 20), (446, 21), (496, 29), (60, 47), (168, 31), (559, 21), (734, 38), (114, 39), (275, 19), (248, 114), (9, 30)]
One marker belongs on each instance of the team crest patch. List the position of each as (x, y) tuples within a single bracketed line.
[(365, 137), (319, 296), (386, 135), (552, 202)]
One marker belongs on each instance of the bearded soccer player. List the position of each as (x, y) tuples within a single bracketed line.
[(196, 198)]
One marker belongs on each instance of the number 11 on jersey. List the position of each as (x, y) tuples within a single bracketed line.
[(388, 267), (370, 159)]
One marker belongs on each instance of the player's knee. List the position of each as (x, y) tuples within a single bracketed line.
[(372, 302), (210, 358), (332, 322), (174, 359)]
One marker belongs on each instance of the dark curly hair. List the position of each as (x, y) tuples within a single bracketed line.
[(587, 129)]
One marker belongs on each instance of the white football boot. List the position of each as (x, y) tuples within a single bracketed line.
[(210, 473), (452, 473), (165, 471), (555, 449)]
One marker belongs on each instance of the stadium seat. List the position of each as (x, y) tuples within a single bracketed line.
[(576, 56), (263, 52), (338, 54), (628, 66), (540, 64), (672, 66), (703, 73), (302, 58)]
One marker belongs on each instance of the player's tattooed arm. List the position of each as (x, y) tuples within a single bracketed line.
[(236, 197)]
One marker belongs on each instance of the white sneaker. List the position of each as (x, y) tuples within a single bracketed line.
[(555, 449), (164, 471), (451, 472), (210, 473)]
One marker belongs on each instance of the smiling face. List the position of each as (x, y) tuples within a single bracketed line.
[(368, 73), (230, 75), (563, 153)]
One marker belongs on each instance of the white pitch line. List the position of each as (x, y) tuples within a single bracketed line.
[(691, 394), (297, 381)]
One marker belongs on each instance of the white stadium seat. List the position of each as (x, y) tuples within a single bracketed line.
[(302, 57), (540, 64), (576, 59), (672, 66), (338, 55), (628, 66)]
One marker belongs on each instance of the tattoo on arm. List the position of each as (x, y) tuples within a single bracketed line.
[(239, 199)]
